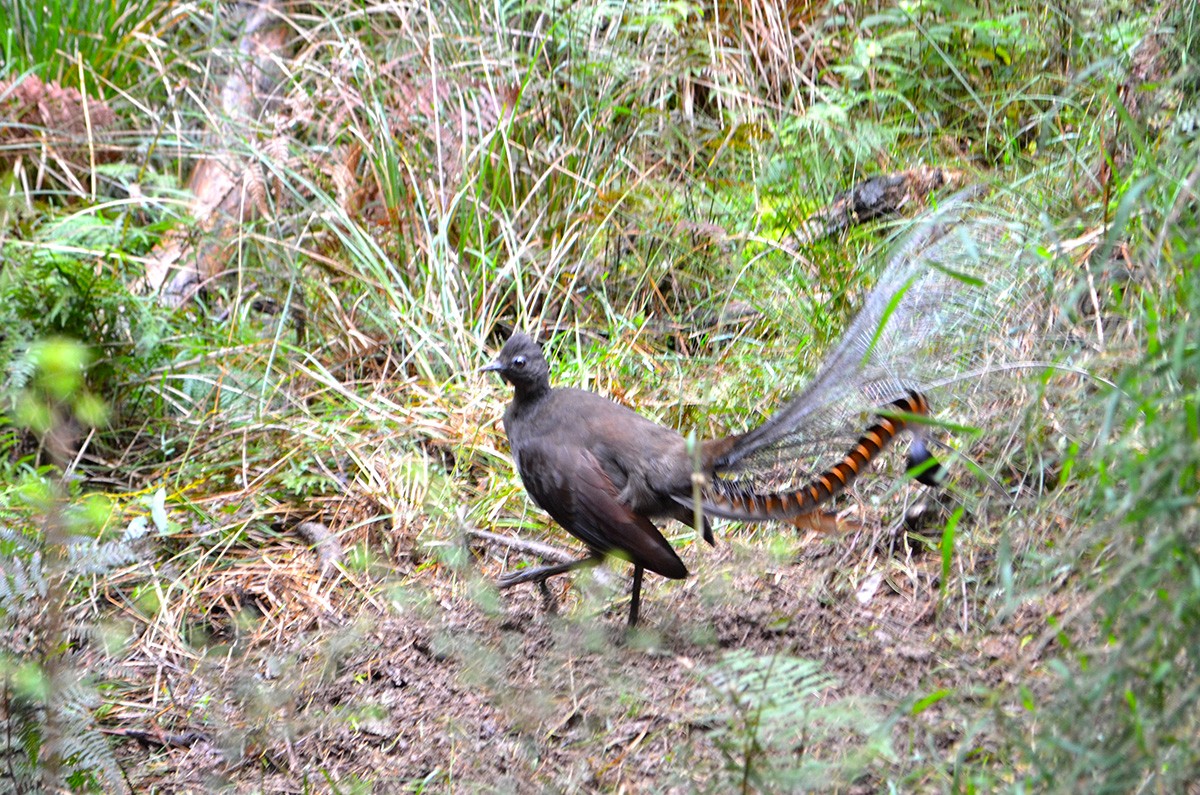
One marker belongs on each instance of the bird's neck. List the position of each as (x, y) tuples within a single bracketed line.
[(528, 394)]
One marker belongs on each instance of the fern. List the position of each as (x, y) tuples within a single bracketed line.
[(86, 556), (85, 751), (47, 707), (45, 293), (88, 762), (21, 578), (767, 711)]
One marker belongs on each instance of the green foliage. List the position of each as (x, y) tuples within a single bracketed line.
[(1123, 713), (57, 37), (50, 734), (768, 712), (57, 290), (32, 706)]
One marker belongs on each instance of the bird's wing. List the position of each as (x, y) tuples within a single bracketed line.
[(572, 486)]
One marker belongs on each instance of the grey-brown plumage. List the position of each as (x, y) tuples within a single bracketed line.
[(600, 469)]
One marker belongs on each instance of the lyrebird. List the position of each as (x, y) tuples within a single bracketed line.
[(605, 473)]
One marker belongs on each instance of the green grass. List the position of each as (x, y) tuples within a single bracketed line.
[(62, 40)]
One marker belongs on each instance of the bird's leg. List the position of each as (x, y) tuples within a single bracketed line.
[(549, 603), (635, 596), (542, 573)]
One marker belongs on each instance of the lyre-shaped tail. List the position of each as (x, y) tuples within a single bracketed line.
[(955, 298), (738, 500)]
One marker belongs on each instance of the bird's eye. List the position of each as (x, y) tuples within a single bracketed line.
[(518, 362)]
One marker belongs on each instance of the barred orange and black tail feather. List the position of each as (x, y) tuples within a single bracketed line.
[(734, 500)]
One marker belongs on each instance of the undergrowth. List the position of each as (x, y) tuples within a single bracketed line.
[(1120, 714), (627, 179)]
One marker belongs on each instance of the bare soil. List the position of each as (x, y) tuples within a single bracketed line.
[(438, 682)]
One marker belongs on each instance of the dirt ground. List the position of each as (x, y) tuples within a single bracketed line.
[(442, 683)]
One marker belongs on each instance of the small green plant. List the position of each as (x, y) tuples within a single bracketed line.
[(770, 713), (61, 289), (1124, 713), (51, 738)]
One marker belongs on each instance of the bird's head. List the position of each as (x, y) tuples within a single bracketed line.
[(522, 364)]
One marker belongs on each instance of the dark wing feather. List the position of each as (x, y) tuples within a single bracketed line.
[(572, 486)]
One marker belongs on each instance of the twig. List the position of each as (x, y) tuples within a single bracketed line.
[(544, 551), (158, 737)]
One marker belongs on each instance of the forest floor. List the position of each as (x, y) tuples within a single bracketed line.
[(441, 682)]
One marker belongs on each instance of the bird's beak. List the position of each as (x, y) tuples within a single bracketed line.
[(494, 367)]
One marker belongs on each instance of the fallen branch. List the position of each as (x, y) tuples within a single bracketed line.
[(886, 194), (228, 189), (536, 548), (158, 737)]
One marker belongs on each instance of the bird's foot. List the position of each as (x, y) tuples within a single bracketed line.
[(542, 573)]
